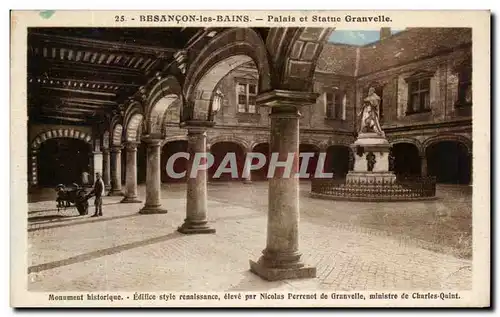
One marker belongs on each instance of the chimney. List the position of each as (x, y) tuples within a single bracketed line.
[(385, 33)]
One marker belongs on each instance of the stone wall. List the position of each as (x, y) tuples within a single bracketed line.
[(339, 59), (410, 45), (438, 52), (249, 129)]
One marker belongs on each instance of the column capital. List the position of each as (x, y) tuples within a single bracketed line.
[(196, 131), (284, 99), (105, 150), (152, 141), (116, 148), (131, 145), (96, 152)]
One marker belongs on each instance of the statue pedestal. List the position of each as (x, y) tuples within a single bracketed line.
[(371, 160)]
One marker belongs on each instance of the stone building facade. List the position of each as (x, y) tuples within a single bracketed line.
[(423, 76)]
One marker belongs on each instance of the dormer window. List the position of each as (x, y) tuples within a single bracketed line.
[(419, 93)]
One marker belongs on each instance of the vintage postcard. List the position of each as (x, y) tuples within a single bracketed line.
[(250, 159)]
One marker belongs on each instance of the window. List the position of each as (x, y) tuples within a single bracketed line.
[(246, 97), (334, 105), (464, 87), (419, 97)]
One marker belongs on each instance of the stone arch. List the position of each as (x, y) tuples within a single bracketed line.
[(448, 137), (406, 157), (172, 114), (294, 53), (413, 141), (135, 107), (116, 137), (449, 158), (257, 141), (174, 138), (229, 138), (339, 158), (227, 51), (163, 94), (313, 142), (133, 128), (52, 134), (105, 140), (333, 142)]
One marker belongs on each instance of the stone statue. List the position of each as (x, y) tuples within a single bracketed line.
[(370, 113)]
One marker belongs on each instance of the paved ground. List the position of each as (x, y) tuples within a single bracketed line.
[(355, 246)]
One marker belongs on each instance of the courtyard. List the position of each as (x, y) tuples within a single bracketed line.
[(353, 245)]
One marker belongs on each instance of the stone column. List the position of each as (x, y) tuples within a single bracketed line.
[(281, 259), (153, 178), (131, 174), (106, 169), (116, 171), (423, 165), (196, 194), (248, 179), (96, 166)]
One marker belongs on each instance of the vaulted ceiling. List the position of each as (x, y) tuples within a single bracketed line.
[(77, 75)]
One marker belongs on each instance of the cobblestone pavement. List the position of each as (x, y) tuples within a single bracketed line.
[(350, 246)]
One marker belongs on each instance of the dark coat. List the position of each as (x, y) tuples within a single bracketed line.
[(98, 188)]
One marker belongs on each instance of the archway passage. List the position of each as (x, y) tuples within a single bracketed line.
[(180, 164), (337, 161), (313, 161), (261, 173), (219, 151), (406, 159), (449, 162), (62, 161)]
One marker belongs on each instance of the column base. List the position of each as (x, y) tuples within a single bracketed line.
[(195, 227), (130, 200), (115, 192), (246, 181), (277, 274), (150, 210)]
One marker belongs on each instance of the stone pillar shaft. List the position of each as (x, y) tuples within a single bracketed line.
[(283, 215), (131, 174), (153, 178), (196, 195), (116, 171), (281, 257), (106, 167)]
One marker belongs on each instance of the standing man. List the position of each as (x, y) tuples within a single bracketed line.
[(98, 191)]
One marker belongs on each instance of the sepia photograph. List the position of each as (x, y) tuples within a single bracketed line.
[(168, 165)]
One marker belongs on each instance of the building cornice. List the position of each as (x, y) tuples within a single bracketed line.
[(432, 125)]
